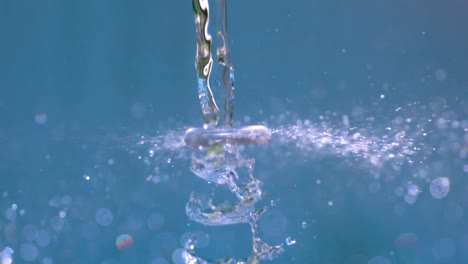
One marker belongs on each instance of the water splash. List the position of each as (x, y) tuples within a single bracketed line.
[(410, 140)]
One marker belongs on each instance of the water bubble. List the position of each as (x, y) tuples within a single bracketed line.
[(123, 241), (412, 194), (104, 217), (304, 224), (330, 203), (10, 214), (62, 214), (57, 223), (439, 187), (181, 256), (6, 256), (410, 199), (406, 239), (42, 238), (28, 251), (190, 240), (440, 74), (290, 241), (47, 260), (413, 190), (86, 177), (40, 118), (156, 179)]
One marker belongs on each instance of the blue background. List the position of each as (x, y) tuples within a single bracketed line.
[(103, 73)]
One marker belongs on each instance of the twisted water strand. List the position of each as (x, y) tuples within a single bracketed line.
[(223, 57), (204, 62), (220, 163)]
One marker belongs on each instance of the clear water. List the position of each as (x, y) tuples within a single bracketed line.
[(367, 162)]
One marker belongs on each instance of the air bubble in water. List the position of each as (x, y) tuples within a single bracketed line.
[(6, 256), (28, 251), (10, 214), (290, 241), (440, 187), (104, 217), (123, 241), (42, 238)]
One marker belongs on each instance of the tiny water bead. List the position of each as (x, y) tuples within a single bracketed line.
[(40, 118), (123, 241), (439, 187), (42, 238), (104, 217), (290, 241), (6, 255), (28, 252)]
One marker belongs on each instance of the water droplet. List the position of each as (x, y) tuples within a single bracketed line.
[(62, 214), (104, 217), (440, 74), (439, 187), (40, 118), (42, 238), (290, 241), (6, 256), (10, 214), (28, 251), (123, 241)]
